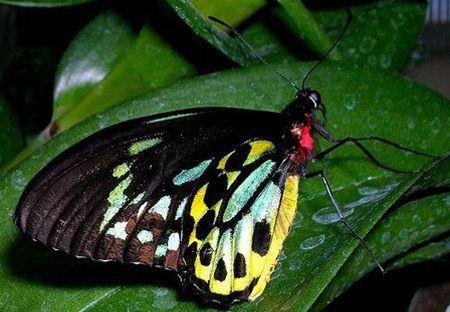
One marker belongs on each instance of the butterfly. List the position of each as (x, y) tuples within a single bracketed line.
[(207, 193)]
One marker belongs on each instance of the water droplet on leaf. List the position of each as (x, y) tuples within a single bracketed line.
[(312, 242)]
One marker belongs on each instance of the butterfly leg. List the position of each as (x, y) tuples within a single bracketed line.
[(341, 215), (370, 156)]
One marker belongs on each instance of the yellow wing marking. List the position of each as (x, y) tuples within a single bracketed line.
[(223, 161), (258, 148), (198, 207), (216, 208), (198, 210), (231, 177), (283, 223)]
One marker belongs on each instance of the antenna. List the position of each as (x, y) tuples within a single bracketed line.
[(349, 19), (234, 32)]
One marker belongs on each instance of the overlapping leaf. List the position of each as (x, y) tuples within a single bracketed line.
[(108, 63), (90, 57), (382, 34), (388, 105), (431, 251), (302, 22), (408, 225)]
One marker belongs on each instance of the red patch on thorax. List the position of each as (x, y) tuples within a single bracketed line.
[(305, 142)]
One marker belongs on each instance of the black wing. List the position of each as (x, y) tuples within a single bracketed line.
[(121, 193)]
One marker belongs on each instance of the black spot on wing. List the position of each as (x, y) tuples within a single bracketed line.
[(205, 225), (215, 190), (206, 254), (221, 271), (188, 225), (239, 266), (261, 238), (237, 159), (190, 254)]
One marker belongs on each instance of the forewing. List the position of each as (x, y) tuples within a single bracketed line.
[(121, 194)]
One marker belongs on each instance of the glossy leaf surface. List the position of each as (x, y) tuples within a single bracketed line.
[(388, 106)]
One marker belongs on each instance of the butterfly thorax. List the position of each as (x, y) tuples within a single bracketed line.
[(300, 118), (301, 133)]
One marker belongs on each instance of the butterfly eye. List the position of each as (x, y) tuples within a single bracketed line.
[(315, 98)]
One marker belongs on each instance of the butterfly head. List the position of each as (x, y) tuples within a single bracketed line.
[(304, 106), (309, 100)]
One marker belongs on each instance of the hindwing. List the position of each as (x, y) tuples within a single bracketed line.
[(238, 221)]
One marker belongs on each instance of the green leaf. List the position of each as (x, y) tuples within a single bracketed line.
[(266, 42), (104, 65), (387, 105), (90, 57), (321, 263), (307, 28), (382, 33), (43, 3), (231, 11), (434, 250), (11, 139), (409, 225), (199, 23), (272, 45), (126, 68)]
